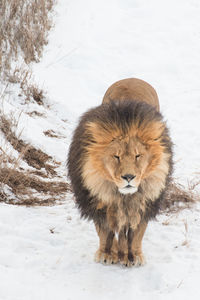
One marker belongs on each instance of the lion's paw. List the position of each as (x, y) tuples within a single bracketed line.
[(126, 262), (139, 260), (106, 258), (133, 260)]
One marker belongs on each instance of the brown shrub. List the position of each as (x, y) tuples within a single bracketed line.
[(34, 157), (29, 89), (179, 197), (24, 27), (26, 189), (38, 185), (52, 134)]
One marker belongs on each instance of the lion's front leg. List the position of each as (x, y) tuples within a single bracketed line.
[(123, 246), (130, 246), (107, 252), (135, 254)]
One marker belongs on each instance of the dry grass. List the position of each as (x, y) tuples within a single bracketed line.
[(35, 158), (39, 183), (52, 134), (26, 189), (29, 89), (24, 27), (31, 92), (179, 197), (36, 114)]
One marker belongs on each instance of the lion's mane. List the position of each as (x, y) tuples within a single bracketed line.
[(127, 118)]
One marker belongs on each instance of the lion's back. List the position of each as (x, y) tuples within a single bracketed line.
[(132, 89)]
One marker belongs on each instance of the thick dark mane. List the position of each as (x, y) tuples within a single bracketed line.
[(121, 114), (125, 113)]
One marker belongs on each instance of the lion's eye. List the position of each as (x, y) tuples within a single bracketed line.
[(117, 157), (137, 156)]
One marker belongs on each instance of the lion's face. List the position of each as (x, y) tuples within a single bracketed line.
[(122, 158), (125, 161)]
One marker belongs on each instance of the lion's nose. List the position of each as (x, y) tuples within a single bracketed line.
[(128, 177)]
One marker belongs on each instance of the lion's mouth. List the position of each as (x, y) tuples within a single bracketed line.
[(128, 189)]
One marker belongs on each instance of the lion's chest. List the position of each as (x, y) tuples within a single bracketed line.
[(124, 212)]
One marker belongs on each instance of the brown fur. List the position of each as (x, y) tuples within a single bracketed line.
[(120, 162), (132, 89)]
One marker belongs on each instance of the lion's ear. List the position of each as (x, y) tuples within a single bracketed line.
[(102, 134)]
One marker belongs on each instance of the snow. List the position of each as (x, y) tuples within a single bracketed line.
[(47, 252)]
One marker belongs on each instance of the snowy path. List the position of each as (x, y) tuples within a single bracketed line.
[(47, 252)]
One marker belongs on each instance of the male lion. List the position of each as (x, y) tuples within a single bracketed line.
[(119, 163)]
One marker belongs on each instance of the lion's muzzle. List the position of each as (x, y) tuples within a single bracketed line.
[(129, 186)]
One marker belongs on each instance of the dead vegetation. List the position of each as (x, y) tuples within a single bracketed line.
[(52, 134), (179, 197), (39, 183), (30, 190), (35, 158), (30, 176), (36, 114), (30, 91), (24, 27)]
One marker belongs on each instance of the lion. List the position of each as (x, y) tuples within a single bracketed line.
[(120, 165)]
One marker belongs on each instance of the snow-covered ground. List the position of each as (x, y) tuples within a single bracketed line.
[(47, 252)]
